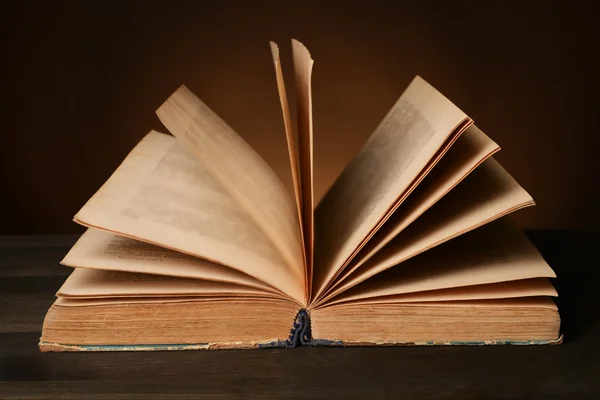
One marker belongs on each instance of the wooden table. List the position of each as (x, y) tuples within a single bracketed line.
[(30, 275)]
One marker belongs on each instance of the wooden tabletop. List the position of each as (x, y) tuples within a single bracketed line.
[(30, 275)]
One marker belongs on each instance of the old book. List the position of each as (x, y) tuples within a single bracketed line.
[(195, 243)]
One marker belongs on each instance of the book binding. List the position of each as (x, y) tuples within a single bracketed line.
[(300, 335)]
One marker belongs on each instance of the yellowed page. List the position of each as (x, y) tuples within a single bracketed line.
[(471, 149), (508, 303), (292, 147), (395, 155), (520, 302), (99, 301), (412, 187), (496, 252), (303, 72), (241, 171), (486, 194), (102, 250), (90, 283), (160, 194), (501, 290)]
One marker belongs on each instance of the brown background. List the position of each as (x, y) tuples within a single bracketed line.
[(80, 83)]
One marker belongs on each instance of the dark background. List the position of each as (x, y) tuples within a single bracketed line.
[(81, 81)]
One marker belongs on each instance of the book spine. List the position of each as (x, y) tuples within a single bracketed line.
[(300, 334)]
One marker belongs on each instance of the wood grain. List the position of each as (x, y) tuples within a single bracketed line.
[(30, 275)]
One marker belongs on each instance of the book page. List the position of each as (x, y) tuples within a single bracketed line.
[(292, 146), (303, 63), (509, 303), (160, 194), (501, 290), (394, 157), (488, 193), (471, 149), (89, 283), (158, 300), (244, 175), (496, 252), (97, 249)]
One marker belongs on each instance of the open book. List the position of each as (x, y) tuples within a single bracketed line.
[(195, 243)]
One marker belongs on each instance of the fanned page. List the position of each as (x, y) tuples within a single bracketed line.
[(289, 135), (160, 194), (243, 174), (102, 250), (486, 194), (471, 149), (412, 137), (503, 290), (86, 283), (301, 153), (497, 252), (302, 73)]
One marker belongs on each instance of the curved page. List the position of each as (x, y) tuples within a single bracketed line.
[(241, 171), (496, 252), (471, 149), (415, 132), (304, 208), (502, 290), (89, 283), (488, 193), (102, 250), (182, 300), (303, 63), (160, 194)]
